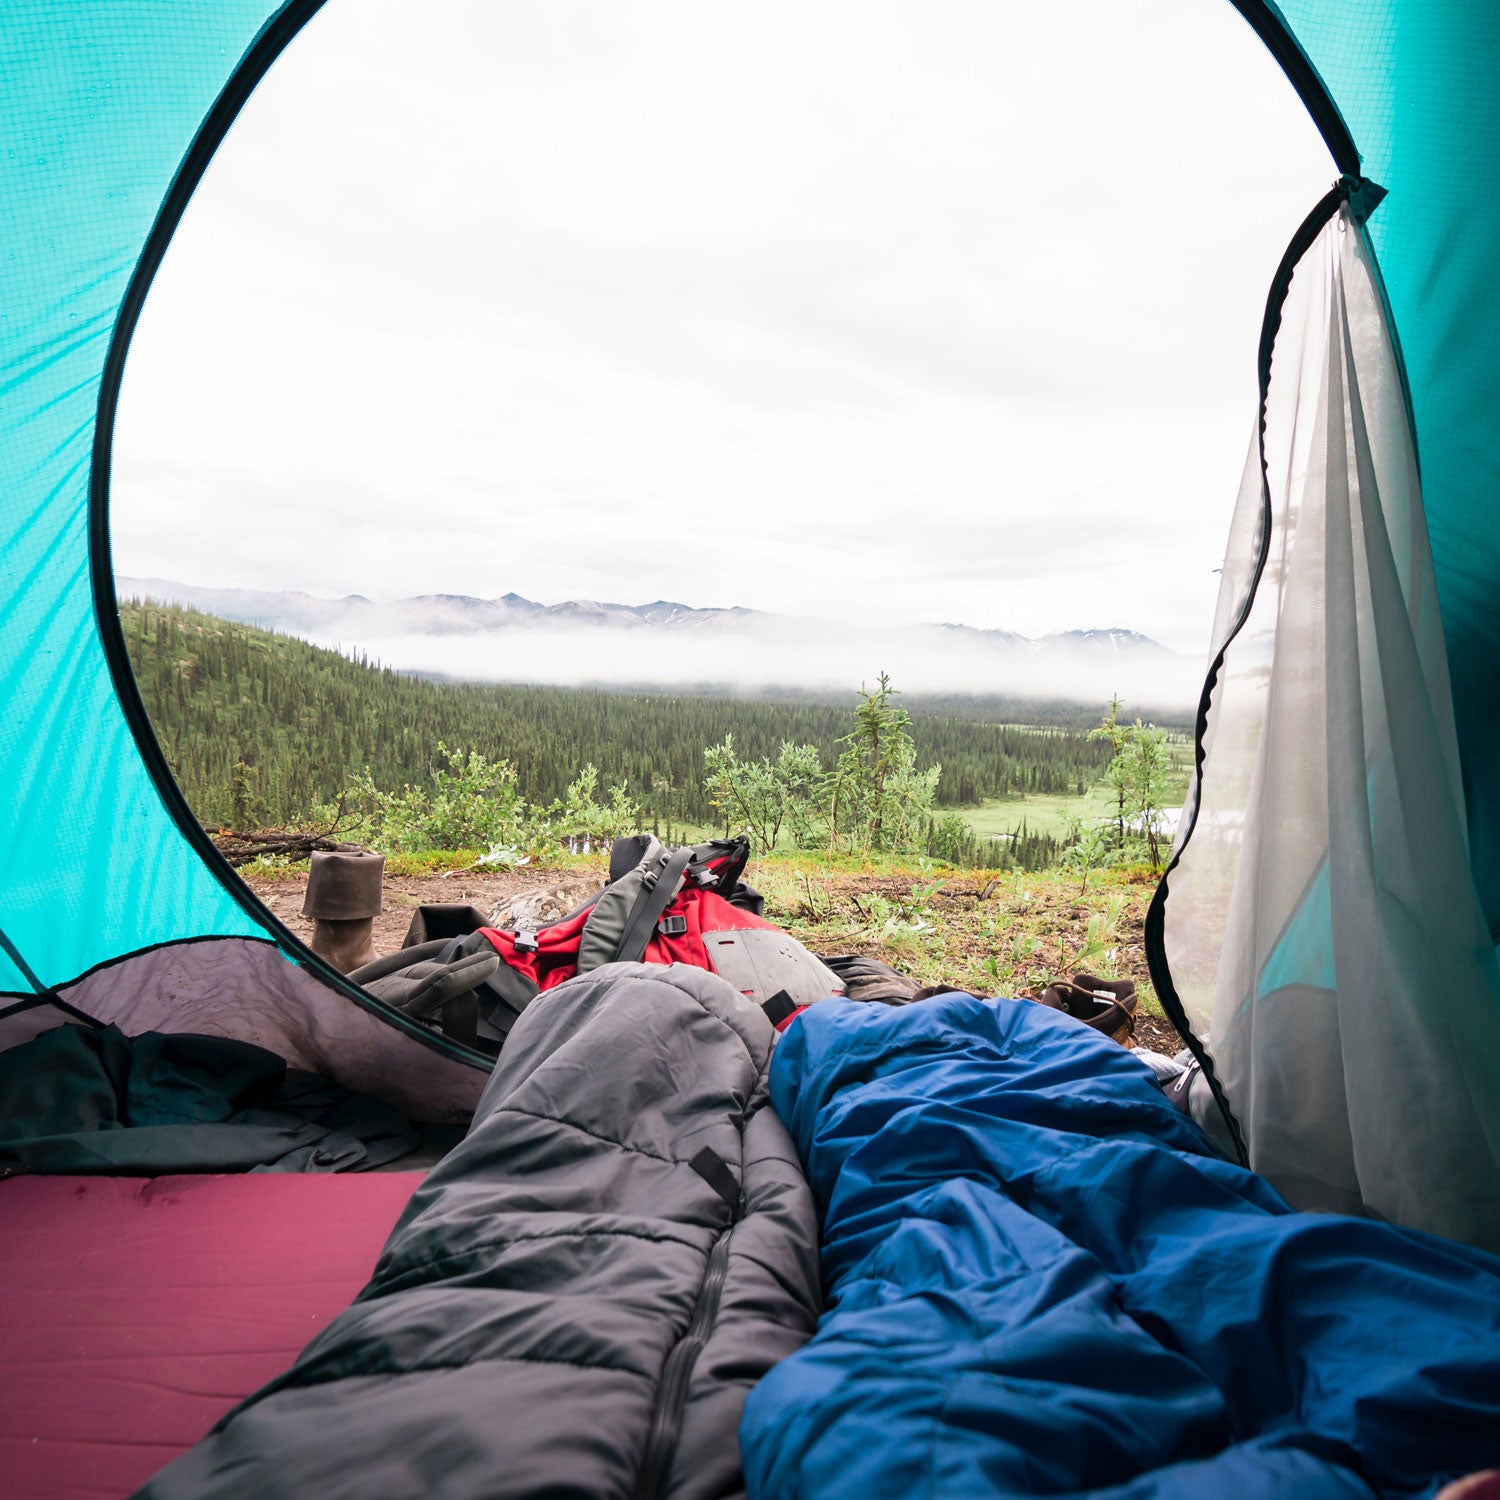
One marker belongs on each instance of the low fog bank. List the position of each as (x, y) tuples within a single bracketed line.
[(588, 642), (926, 662)]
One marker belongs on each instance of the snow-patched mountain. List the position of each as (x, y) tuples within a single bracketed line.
[(421, 614), (1103, 643), (514, 639)]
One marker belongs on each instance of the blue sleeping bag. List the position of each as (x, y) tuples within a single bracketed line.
[(1041, 1280)]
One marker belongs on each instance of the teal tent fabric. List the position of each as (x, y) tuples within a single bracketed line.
[(1415, 82), (98, 107)]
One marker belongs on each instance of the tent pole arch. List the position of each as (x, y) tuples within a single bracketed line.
[(117, 852), (273, 39), (115, 906), (1271, 27)]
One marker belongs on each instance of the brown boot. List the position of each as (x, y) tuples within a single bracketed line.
[(1107, 1006), (866, 978), (343, 899)]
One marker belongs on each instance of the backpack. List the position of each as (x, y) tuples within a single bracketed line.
[(665, 906)]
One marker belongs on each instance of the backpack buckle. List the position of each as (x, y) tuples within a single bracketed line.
[(526, 940), (672, 926)]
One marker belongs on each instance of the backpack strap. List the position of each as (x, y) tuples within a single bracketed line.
[(438, 982), (460, 1019), (625, 915), (656, 896)]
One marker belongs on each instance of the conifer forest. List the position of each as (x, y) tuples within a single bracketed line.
[(262, 729)]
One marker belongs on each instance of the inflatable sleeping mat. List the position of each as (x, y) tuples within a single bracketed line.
[(137, 1311)]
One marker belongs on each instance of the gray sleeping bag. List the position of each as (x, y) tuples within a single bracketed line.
[(581, 1294)]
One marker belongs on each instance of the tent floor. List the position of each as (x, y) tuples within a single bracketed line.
[(137, 1311)]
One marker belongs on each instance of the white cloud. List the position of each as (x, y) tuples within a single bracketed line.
[(899, 310)]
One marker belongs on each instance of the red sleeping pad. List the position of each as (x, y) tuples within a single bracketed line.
[(137, 1311)]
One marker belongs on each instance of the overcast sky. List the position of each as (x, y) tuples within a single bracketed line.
[(942, 310)]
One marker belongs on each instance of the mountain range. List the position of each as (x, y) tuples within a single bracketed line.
[(512, 638)]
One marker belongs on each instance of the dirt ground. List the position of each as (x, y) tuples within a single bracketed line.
[(403, 895), (1010, 935)]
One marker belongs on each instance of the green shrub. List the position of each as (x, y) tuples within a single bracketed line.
[(472, 802), (873, 800), (769, 799)]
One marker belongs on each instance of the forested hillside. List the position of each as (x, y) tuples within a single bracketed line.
[(261, 728)]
